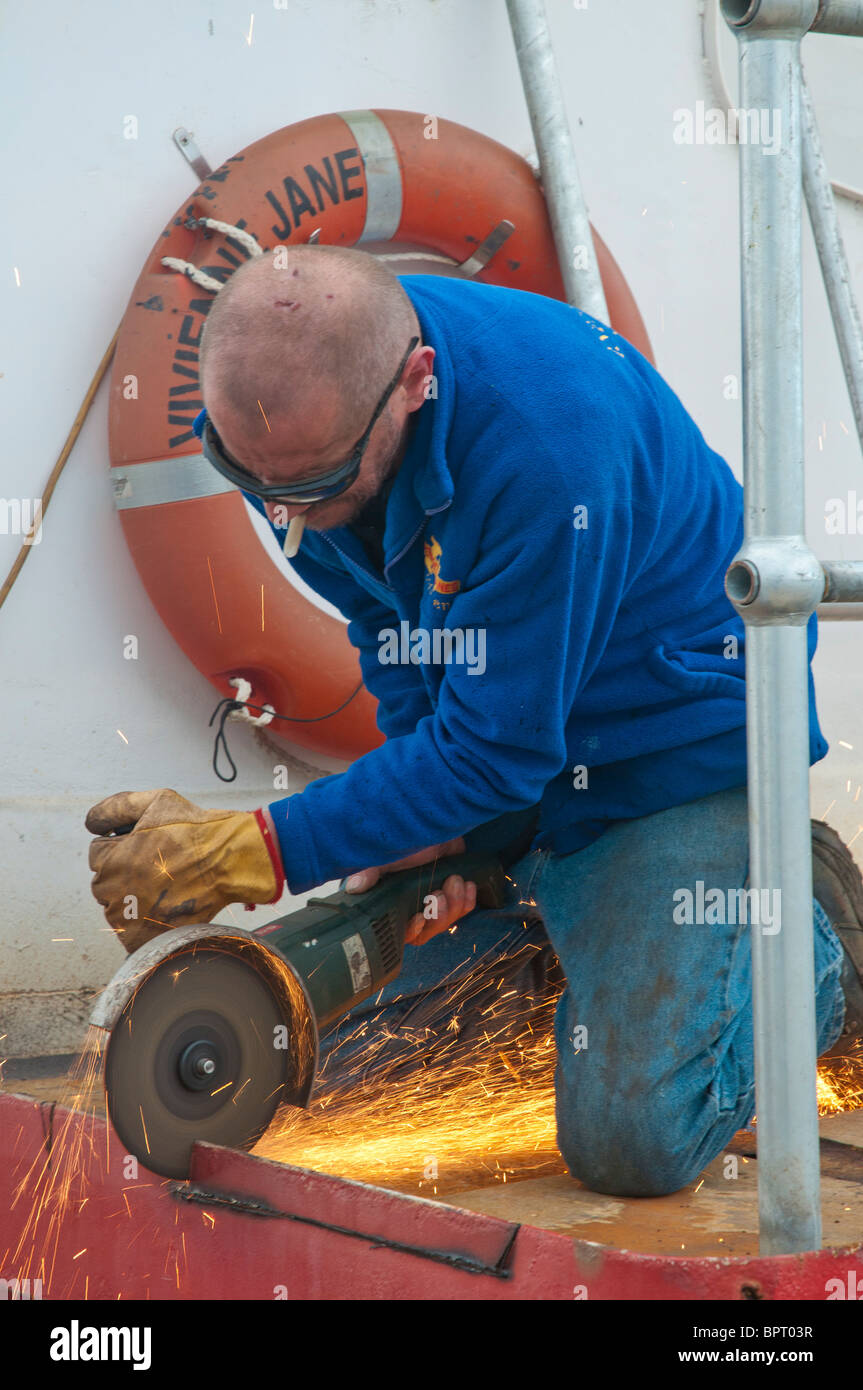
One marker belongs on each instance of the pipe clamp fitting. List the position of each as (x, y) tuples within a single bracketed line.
[(775, 580), (770, 19)]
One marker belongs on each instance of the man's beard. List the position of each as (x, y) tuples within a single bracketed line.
[(341, 511)]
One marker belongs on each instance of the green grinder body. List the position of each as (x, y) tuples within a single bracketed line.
[(347, 946)]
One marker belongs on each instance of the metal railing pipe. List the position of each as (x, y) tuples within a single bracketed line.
[(831, 254), (775, 582), (558, 168), (843, 581), (824, 17), (839, 17), (839, 613)]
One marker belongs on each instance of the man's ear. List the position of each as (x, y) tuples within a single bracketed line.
[(417, 381)]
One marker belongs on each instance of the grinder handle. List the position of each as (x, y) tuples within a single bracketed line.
[(404, 890), (397, 896), (485, 870)]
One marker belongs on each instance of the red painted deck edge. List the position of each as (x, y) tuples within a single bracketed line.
[(130, 1235)]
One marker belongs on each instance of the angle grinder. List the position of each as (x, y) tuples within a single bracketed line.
[(212, 1028)]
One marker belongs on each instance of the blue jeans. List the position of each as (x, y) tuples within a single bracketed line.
[(664, 1074)]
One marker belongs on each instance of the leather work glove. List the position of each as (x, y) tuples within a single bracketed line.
[(179, 865)]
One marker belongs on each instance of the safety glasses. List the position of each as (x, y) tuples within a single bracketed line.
[(318, 489)]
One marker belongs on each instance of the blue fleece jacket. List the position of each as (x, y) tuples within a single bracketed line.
[(558, 508)]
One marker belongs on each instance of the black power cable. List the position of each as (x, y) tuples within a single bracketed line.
[(227, 705)]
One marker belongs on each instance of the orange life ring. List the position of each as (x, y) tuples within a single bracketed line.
[(360, 177)]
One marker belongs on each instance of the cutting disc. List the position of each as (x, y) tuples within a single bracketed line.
[(194, 1056)]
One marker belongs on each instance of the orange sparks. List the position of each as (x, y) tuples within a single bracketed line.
[(241, 1090), (508, 1064), (839, 1086), (434, 1115), (264, 413), (163, 868), (483, 1112), (215, 600), (144, 1128)]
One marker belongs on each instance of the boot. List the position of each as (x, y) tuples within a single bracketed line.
[(838, 886)]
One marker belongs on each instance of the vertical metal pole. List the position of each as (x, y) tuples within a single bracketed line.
[(560, 181), (831, 253), (776, 582)]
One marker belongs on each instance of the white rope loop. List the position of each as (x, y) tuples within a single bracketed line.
[(200, 277), (244, 690), (245, 239)]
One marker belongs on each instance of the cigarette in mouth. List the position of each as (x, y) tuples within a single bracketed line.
[(294, 536)]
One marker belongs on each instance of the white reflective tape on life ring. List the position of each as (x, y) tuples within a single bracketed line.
[(178, 479), (189, 477), (383, 175)]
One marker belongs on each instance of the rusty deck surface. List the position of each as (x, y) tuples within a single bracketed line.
[(717, 1215)]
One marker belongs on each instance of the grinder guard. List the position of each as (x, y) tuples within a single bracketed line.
[(208, 1002), (188, 1014)]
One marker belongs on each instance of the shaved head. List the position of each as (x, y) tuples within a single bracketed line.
[(298, 348), (323, 321)]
